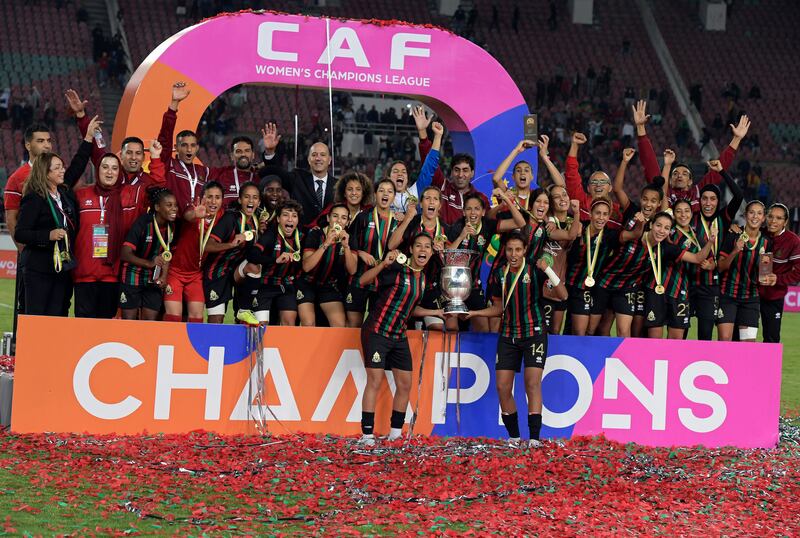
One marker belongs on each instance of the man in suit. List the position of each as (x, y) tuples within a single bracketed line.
[(313, 188)]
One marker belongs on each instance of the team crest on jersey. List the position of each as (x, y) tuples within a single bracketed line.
[(481, 240), (526, 279), (651, 316), (720, 313), (538, 232), (122, 298), (255, 302), (300, 295), (687, 244), (762, 250), (376, 358), (349, 299), (213, 295)]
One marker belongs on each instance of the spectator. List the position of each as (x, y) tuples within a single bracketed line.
[(361, 114), (372, 115)]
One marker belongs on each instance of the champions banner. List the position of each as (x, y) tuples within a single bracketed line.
[(129, 377)]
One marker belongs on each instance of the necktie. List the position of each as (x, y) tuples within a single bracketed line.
[(319, 193)]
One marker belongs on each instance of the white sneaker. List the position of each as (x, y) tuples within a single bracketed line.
[(513, 442), (534, 443), (395, 434), (367, 440)]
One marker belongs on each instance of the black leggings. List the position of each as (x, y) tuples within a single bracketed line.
[(771, 314), (96, 299), (47, 294)]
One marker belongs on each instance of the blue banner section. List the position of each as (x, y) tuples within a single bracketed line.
[(479, 407)]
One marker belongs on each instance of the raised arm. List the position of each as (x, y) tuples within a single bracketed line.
[(422, 121), (725, 259), (701, 256), (497, 177), (371, 274), (552, 169), (738, 195), (78, 108), (630, 235), (396, 239), (729, 153), (517, 219), (166, 136), (573, 177), (647, 154), (78, 164), (619, 179), (431, 163)]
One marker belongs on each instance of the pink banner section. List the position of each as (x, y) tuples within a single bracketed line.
[(687, 393), (791, 302)]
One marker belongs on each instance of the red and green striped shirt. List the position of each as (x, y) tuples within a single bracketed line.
[(399, 291), (522, 314), (740, 281), (365, 236), (577, 265), (221, 264)]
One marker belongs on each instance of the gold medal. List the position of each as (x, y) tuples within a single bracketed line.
[(591, 259), (166, 256), (337, 228), (412, 200), (401, 259), (744, 237), (296, 256), (441, 237), (660, 289), (249, 235), (655, 263), (588, 282)]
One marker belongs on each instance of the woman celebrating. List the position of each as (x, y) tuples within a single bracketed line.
[(47, 225), (738, 264), (185, 279), (355, 191), (226, 250), (474, 232), (278, 253), (369, 239), (522, 176), (515, 296), (713, 218), (146, 254), (107, 209), (401, 282), (326, 256), (586, 256), (786, 265), (272, 193)]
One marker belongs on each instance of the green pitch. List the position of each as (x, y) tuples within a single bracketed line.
[(790, 390)]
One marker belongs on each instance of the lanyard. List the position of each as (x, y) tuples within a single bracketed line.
[(236, 178), (437, 228), (204, 236), (167, 255), (103, 200), (193, 179), (377, 218), (506, 299), (591, 259)]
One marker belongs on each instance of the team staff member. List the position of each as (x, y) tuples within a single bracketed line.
[(326, 255), (107, 210), (587, 255), (146, 254), (599, 184), (738, 265), (226, 250), (462, 171), (515, 294), (369, 239), (474, 232), (786, 266), (279, 254), (185, 278), (714, 218), (185, 178), (401, 282), (47, 226), (314, 188), (232, 177)]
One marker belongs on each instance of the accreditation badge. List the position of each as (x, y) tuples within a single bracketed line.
[(99, 241)]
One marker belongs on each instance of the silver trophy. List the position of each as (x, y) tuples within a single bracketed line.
[(457, 279)]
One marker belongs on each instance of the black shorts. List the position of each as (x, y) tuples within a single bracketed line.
[(640, 298), (512, 353), (284, 298), (705, 302), (476, 300), (581, 302), (432, 298), (664, 310), (385, 353), (549, 306), (218, 291), (308, 292), (742, 312), (358, 298), (620, 301), (148, 296)]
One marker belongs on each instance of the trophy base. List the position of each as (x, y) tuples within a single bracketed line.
[(460, 308)]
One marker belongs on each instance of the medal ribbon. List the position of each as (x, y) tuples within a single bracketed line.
[(714, 228), (755, 243), (243, 221), (164, 246), (655, 264), (689, 234), (204, 236), (591, 260), (296, 236), (513, 284)]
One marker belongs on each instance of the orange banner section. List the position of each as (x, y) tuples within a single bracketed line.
[(128, 377), (8, 264)]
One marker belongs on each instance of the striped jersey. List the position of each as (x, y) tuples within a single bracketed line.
[(365, 236), (577, 263), (331, 267), (268, 248), (536, 232), (688, 271), (673, 274), (630, 266), (145, 244), (740, 281), (719, 224), (522, 314), (222, 264), (478, 243), (400, 289)]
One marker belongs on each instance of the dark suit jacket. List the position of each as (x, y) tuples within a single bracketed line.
[(300, 186)]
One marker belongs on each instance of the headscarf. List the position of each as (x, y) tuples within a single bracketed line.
[(113, 210)]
